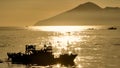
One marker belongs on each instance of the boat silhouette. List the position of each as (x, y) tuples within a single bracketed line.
[(1, 61), (43, 56), (112, 28)]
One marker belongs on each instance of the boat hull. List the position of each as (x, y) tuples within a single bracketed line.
[(42, 59)]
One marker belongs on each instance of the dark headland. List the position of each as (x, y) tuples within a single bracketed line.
[(85, 14)]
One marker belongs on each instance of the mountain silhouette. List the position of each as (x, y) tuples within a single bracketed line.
[(85, 14), (87, 6)]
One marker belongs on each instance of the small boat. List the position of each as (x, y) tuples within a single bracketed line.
[(1, 61), (43, 56), (112, 28), (91, 29)]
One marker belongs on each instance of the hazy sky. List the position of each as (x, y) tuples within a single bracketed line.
[(28, 12)]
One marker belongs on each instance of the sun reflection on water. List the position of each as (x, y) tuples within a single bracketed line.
[(59, 28), (65, 42)]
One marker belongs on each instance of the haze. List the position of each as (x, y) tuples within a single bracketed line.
[(28, 12)]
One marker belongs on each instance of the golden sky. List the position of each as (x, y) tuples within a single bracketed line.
[(28, 12)]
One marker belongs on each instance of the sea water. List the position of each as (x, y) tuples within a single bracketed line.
[(96, 46)]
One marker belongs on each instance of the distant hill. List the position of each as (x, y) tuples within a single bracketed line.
[(85, 14)]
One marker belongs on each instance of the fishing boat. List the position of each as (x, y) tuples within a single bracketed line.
[(1, 61), (112, 28), (43, 56)]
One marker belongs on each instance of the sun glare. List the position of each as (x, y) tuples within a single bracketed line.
[(60, 28)]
